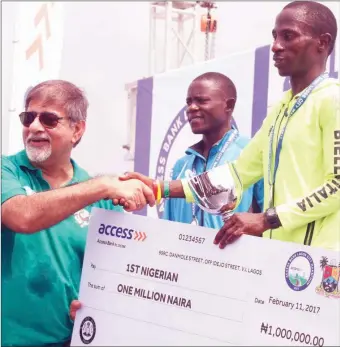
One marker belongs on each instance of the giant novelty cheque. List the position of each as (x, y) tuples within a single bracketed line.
[(151, 282)]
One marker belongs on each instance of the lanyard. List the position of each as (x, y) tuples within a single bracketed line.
[(300, 101), (218, 157)]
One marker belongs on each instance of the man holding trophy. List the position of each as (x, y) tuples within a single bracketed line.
[(296, 151), (211, 99)]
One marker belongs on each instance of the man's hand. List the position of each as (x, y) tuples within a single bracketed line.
[(133, 193), (132, 176), (239, 224), (75, 306), (135, 175)]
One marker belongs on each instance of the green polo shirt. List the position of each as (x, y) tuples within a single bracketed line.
[(40, 272)]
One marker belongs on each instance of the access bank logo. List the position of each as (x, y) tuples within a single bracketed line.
[(121, 232), (171, 134)]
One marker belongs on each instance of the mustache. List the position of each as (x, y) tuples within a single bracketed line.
[(37, 138)]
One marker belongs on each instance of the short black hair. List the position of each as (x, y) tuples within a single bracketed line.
[(225, 83), (320, 17)]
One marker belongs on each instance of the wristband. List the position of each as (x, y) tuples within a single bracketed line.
[(166, 189), (159, 195), (155, 188), (189, 196)]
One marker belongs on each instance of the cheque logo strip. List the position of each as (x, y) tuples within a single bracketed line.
[(163, 326)]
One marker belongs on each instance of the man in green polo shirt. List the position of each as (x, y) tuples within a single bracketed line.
[(46, 202)]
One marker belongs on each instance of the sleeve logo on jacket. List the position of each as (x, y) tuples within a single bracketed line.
[(82, 217), (331, 187), (29, 190)]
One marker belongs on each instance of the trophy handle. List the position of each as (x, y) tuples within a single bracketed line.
[(205, 192), (239, 186)]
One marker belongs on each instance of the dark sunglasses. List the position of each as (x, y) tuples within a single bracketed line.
[(47, 119)]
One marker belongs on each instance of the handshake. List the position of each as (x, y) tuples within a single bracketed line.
[(132, 191), (217, 194)]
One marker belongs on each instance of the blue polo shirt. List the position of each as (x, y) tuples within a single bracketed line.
[(41, 271), (179, 210)]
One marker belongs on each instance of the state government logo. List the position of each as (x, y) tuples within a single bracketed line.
[(329, 285), (87, 330), (299, 271)]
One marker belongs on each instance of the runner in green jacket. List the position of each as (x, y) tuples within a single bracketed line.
[(297, 149)]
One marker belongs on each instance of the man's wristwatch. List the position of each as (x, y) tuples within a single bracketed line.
[(272, 218)]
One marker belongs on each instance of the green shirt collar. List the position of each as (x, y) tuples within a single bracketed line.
[(288, 95), (79, 174)]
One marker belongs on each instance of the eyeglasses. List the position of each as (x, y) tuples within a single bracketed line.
[(47, 119)]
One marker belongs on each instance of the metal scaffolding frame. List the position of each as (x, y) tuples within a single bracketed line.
[(181, 22), (176, 17)]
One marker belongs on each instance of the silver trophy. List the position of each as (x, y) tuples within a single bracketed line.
[(217, 191)]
